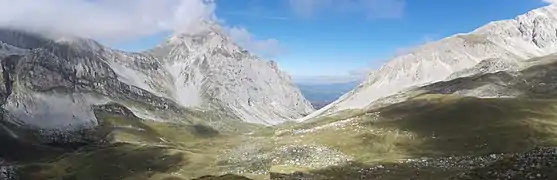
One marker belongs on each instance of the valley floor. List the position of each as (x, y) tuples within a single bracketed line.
[(428, 137)]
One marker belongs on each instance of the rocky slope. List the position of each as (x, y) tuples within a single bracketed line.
[(53, 83), (532, 80), (524, 37), (219, 73)]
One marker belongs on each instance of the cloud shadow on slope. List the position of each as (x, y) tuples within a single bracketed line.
[(115, 161), (448, 127), (538, 81), (471, 126)]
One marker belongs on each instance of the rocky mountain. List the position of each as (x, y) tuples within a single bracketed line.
[(219, 73), (533, 80), (511, 42), (54, 83)]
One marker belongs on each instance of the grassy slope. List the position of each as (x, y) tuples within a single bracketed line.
[(139, 149), (435, 126)]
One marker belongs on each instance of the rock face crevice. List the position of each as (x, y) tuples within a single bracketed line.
[(510, 42), (8, 67)]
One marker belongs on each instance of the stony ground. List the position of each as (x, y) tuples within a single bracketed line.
[(539, 163), (6, 170)]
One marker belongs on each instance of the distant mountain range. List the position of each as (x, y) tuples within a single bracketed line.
[(323, 93)]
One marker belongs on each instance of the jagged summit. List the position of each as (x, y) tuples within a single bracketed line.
[(206, 34), (532, 34), (207, 37), (209, 65)]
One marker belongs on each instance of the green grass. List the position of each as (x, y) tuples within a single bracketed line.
[(471, 126), (439, 125), (118, 161), (26, 148)]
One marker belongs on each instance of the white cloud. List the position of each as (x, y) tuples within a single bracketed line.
[(371, 8), (550, 1), (118, 21), (266, 47), (110, 20), (255, 12)]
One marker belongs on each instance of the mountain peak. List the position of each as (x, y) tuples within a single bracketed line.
[(201, 30), (205, 37), (205, 63)]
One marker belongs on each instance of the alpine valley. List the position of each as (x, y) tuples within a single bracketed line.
[(479, 105)]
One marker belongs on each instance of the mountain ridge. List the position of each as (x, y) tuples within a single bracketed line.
[(526, 36), (81, 73)]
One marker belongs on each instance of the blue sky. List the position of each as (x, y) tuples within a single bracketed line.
[(316, 38)]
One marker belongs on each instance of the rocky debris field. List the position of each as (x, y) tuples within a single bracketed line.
[(539, 163), (256, 159), (6, 170)]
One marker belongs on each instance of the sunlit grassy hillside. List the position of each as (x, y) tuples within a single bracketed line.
[(433, 126)]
